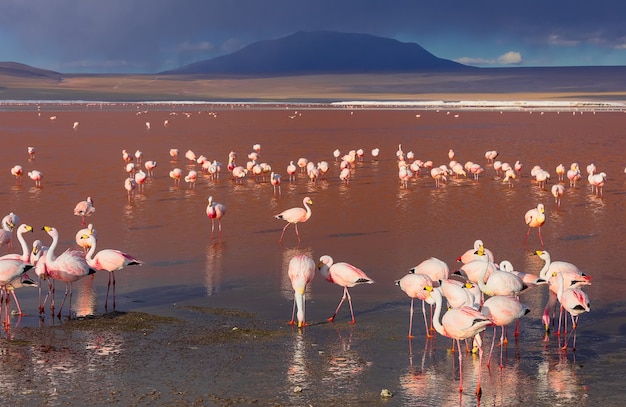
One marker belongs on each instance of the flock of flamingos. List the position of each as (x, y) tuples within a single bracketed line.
[(481, 294)]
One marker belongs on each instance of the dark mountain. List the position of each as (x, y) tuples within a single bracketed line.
[(27, 71), (323, 52)]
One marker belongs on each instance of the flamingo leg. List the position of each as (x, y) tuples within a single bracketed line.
[(282, 234), (17, 304), (540, 239), (297, 234), (428, 335), (411, 320), (493, 341), (480, 363), (458, 344), (293, 313), (343, 298), (106, 301)]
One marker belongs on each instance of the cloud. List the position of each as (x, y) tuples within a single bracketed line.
[(555, 39), (509, 58)]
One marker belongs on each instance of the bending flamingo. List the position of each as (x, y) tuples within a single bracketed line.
[(502, 310), (110, 260), (573, 300), (301, 271), (345, 275), (295, 216)]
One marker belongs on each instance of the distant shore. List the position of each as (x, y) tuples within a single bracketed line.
[(602, 85)]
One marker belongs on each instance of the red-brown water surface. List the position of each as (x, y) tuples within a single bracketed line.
[(372, 222)]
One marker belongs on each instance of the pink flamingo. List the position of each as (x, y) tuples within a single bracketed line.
[(275, 181), (83, 243), (150, 166), (110, 260), (535, 218), (573, 174), (344, 275), (68, 267), (130, 185), (499, 282), (174, 154), (557, 192), (31, 152), (597, 181), (191, 178), (295, 216), (140, 179), (84, 208), (458, 324), (36, 176), (413, 285), (291, 170), (301, 272), (215, 211), (17, 172), (470, 254), (176, 174), (6, 232), (573, 300), (560, 172), (502, 310), (10, 270), (572, 275), (25, 256)]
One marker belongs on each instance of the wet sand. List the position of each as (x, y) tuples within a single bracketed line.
[(203, 322)]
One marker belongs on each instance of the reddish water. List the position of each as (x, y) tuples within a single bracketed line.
[(372, 223)]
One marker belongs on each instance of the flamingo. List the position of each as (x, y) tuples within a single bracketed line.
[(375, 152), (457, 324), (110, 260), (8, 224), (337, 154), (518, 168), (68, 267), (560, 171), (301, 272), (275, 181), (470, 254), (597, 181), (557, 192), (191, 156), (25, 256), (83, 243), (302, 162), (17, 171), (138, 156), (345, 275), (215, 211), (295, 216), (140, 179), (433, 267), (573, 300), (573, 277), (191, 178), (502, 310), (126, 157), (291, 170), (573, 174), (84, 208), (31, 152), (174, 154), (535, 218), (130, 185), (36, 176), (150, 166), (10, 270), (499, 282), (344, 175), (176, 174), (413, 285)]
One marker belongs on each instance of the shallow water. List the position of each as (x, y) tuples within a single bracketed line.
[(372, 222)]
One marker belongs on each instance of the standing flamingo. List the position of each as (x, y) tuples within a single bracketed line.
[(535, 218), (36, 176), (345, 275), (295, 216), (150, 166), (413, 285), (110, 260), (557, 192), (68, 267), (291, 170), (275, 181), (6, 232), (502, 310), (573, 300), (17, 171), (25, 256), (470, 254), (83, 243), (176, 174), (459, 323), (84, 208), (215, 211), (301, 272), (10, 269), (31, 152)]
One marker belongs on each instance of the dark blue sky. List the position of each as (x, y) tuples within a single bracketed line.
[(146, 36)]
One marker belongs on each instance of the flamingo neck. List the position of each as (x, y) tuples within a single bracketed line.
[(50, 257), (25, 250), (544, 271), (436, 317)]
